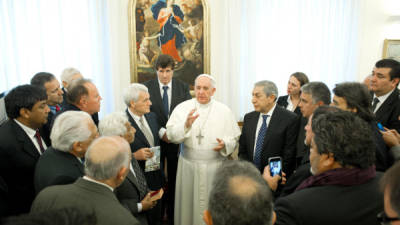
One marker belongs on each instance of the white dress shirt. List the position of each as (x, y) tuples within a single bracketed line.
[(31, 134), (260, 121), (381, 99)]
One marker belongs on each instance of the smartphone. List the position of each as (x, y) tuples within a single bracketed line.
[(275, 165), (380, 127)]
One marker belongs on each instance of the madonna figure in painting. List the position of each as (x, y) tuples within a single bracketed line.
[(169, 16)]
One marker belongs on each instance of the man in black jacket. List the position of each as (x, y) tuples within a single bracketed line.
[(342, 164), (386, 101), (167, 92), (72, 133), (269, 131), (21, 144)]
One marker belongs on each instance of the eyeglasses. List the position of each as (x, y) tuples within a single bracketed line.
[(384, 219)]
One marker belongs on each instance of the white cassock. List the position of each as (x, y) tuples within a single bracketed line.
[(198, 161)]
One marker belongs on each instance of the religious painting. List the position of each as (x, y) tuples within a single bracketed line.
[(391, 49), (179, 28)]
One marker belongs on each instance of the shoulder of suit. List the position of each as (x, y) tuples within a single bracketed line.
[(150, 82), (251, 114), (285, 112)]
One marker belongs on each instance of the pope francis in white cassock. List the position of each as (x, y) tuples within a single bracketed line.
[(209, 133)]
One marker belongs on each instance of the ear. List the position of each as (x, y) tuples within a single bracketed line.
[(77, 147), (122, 174), (213, 91), (207, 217), (395, 81), (83, 100), (24, 113), (132, 104), (328, 160)]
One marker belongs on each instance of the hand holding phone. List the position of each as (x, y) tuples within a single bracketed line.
[(275, 166)]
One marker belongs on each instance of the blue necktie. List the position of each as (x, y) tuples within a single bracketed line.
[(260, 142), (165, 100)]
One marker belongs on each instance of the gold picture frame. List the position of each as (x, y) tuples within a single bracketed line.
[(152, 22), (391, 49)]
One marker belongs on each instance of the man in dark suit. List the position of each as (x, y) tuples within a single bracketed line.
[(67, 76), (313, 95), (83, 96), (62, 163), (386, 100), (54, 97), (133, 193), (167, 92), (342, 163), (137, 99), (269, 131), (21, 144), (106, 166)]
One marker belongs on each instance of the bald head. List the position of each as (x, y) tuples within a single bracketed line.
[(106, 156), (242, 186)]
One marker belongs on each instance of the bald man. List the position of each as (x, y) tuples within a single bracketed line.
[(106, 166)]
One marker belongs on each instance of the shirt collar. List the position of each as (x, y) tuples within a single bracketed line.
[(269, 113), (161, 84), (384, 97), (134, 116), (29, 131), (97, 182)]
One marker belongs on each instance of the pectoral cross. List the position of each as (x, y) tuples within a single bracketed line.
[(199, 137)]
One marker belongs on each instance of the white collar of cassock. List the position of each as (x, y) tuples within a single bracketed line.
[(204, 105)]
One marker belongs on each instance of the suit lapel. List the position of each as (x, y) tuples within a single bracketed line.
[(28, 146), (174, 97), (253, 123), (273, 124), (386, 105), (153, 128), (139, 134)]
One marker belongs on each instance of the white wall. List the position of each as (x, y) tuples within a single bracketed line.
[(379, 20)]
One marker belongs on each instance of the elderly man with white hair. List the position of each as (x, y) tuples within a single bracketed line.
[(137, 99), (209, 132), (72, 133), (133, 193), (106, 166)]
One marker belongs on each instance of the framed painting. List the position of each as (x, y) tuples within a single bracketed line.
[(391, 49), (179, 28)]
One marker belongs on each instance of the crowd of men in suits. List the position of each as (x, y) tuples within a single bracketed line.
[(55, 153)]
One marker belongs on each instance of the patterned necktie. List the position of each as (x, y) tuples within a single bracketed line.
[(146, 132), (375, 103), (260, 142), (39, 141), (165, 100), (141, 180)]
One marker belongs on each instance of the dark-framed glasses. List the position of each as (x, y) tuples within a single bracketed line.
[(384, 219)]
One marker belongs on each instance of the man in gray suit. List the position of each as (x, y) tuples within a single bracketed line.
[(106, 166)]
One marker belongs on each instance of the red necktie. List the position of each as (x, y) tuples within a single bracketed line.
[(57, 108), (39, 140)]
